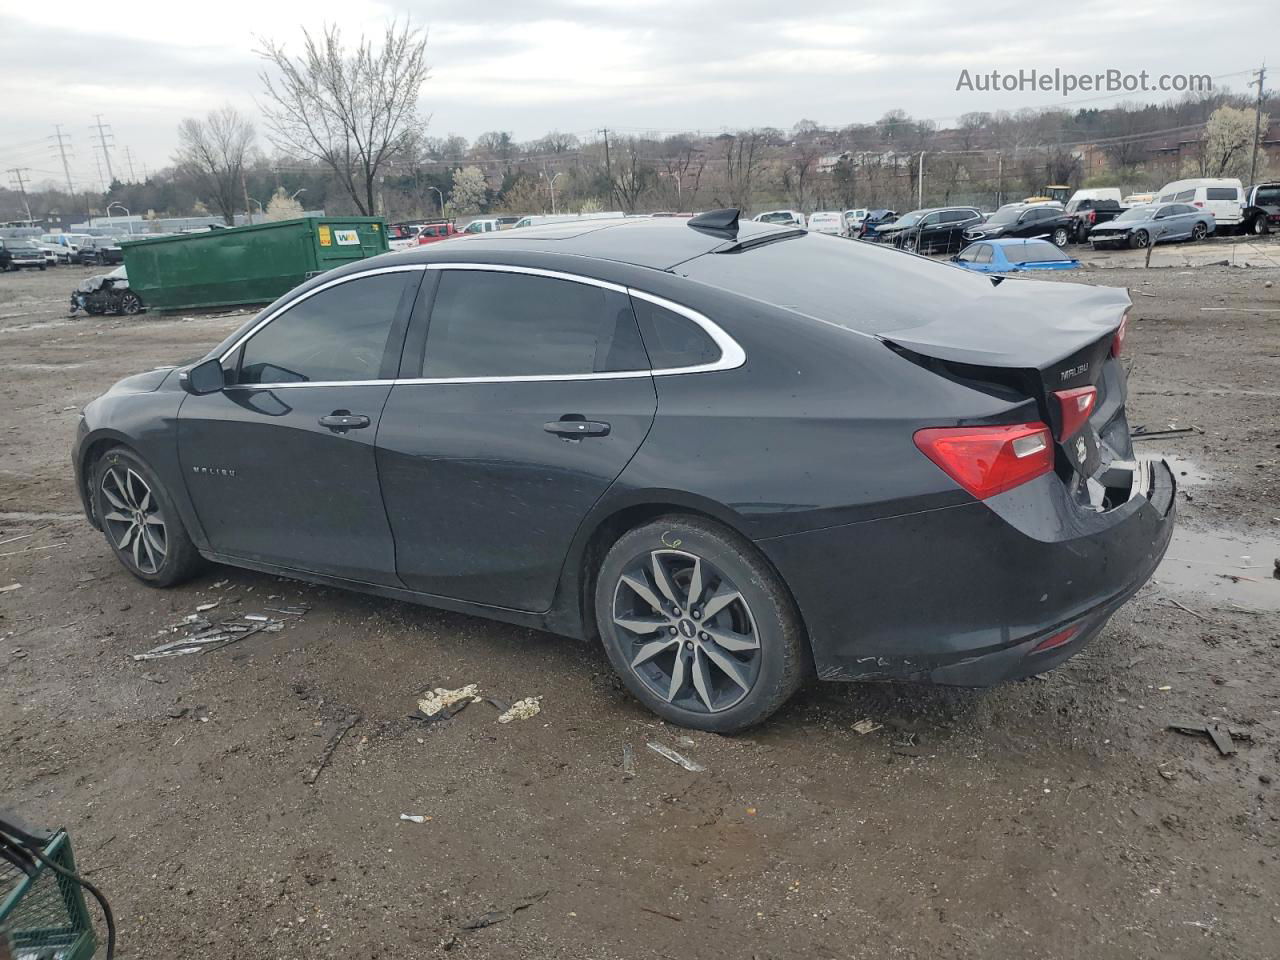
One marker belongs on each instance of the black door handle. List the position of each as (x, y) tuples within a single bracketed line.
[(342, 420), (569, 429)]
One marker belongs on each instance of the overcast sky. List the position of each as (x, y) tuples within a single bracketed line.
[(632, 65)]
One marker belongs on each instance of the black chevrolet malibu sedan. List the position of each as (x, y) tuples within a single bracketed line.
[(735, 453)]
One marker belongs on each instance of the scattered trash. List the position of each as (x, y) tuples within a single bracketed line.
[(498, 916), (177, 713), (257, 617), (313, 774), (521, 710), (19, 653), (219, 585), (659, 913), (441, 699), (1183, 606), (685, 741), (628, 761), (208, 637), (207, 606), (1141, 434), (21, 536), (414, 817), (10, 587), (676, 758), (1164, 689), (296, 611), (864, 727), (1219, 733), (50, 546)]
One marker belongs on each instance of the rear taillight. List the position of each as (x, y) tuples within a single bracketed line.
[(989, 460), (1117, 342), (1093, 216), (1074, 408), (1198, 204)]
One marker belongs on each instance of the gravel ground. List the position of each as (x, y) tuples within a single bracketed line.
[(1056, 817)]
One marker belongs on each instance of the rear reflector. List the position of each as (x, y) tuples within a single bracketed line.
[(989, 460), (1057, 640), (1074, 408), (1117, 342)]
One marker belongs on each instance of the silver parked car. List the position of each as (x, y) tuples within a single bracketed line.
[(1153, 223)]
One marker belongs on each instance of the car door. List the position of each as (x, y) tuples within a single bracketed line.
[(280, 464), (524, 394)]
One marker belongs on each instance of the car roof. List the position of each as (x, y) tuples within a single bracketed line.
[(659, 243), (1013, 241)]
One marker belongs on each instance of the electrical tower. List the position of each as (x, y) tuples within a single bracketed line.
[(128, 156), (62, 139), (22, 187), (103, 130)]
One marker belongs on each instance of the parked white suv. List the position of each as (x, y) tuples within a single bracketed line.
[(1221, 196), (784, 217)]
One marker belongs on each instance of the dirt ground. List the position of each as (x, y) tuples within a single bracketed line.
[(1056, 817)]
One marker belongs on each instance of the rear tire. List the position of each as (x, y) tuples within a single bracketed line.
[(1199, 231), (140, 521), (724, 665)]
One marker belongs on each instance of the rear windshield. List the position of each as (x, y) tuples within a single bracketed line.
[(1268, 196), (1221, 193), (1042, 252), (832, 279)]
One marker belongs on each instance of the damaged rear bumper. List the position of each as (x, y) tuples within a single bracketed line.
[(965, 595)]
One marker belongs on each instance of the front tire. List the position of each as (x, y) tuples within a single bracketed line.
[(699, 627), (130, 303), (140, 521), (1139, 239), (1060, 237)]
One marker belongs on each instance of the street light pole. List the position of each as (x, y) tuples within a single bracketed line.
[(440, 197), (920, 183), (552, 183)]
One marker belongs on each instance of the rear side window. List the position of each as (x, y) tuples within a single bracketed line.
[(1221, 193), (983, 254), (673, 341), (339, 334), (1183, 196), (494, 324)]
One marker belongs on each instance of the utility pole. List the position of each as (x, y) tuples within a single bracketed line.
[(608, 169), (128, 155), (920, 183), (102, 137), (1257, 126), (22, 188), (62, 149)]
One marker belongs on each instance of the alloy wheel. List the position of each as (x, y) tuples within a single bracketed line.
[(687, 631), (1060, 237), (1141, 239), (134, 522), (1199, 231)]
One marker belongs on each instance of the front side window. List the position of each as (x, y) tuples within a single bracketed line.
[(497, 324), (338, 334)]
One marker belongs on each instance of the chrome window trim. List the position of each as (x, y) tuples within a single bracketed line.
[(731, 357)]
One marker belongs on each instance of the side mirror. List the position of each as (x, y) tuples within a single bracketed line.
[(203, 378)]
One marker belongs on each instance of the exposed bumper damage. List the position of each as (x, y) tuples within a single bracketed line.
[(987, 584)]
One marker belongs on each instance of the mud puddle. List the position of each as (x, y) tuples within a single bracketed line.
[(1229, 567)]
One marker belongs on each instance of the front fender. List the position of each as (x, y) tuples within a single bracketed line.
[(146, 422)]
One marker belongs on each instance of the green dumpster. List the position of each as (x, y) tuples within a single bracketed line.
[(246, 265)]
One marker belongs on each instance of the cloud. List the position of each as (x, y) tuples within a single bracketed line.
[(577, 65)]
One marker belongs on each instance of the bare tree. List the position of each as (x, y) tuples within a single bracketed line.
[(742, 157), (212, 152), (798, 174), (353, 110), (683, 166)]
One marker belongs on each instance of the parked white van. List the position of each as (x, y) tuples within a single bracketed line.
[(538, 220), (828, 221), (1221, 196)]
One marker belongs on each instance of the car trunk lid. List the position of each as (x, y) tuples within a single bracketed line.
[(1063, 346)]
